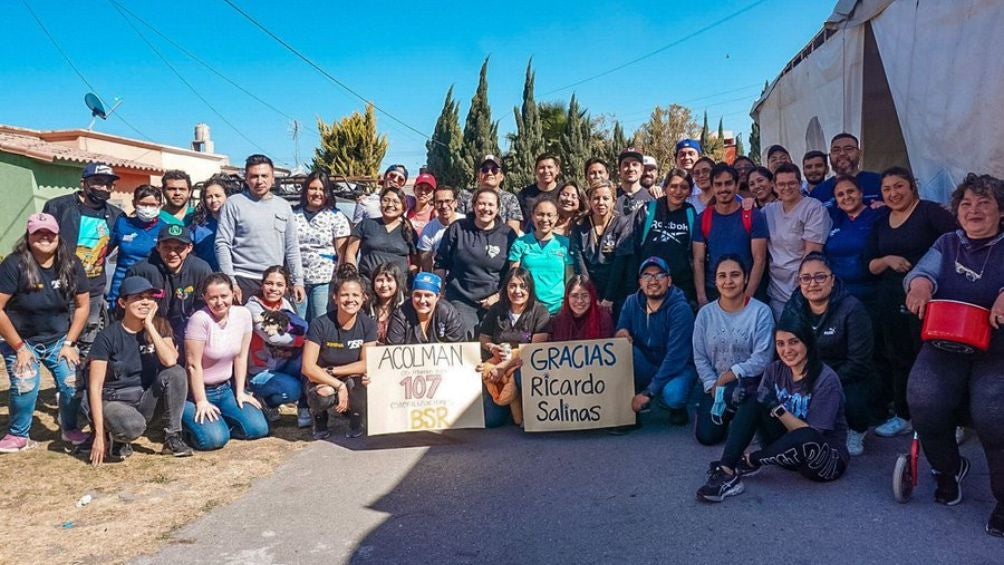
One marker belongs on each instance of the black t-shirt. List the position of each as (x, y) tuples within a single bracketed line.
[(340, 346), (41, 315), (669, 238), (498, 324), (132, 359), (378, 246), (911, 240), (528, 198)]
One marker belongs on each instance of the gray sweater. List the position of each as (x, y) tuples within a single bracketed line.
[(254, 234), (742, 342)]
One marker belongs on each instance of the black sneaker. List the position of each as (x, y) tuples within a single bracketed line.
[(174, 445), (949, 491), (995, 524), (319, 428), (678, 416), (746, 468), (120, 450), (720, 485)]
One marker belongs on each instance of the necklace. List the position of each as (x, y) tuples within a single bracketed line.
[(971, 275)]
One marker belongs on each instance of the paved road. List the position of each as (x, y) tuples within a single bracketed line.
[(502, 496)]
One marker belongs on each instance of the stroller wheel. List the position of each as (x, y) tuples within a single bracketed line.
[(902, 479)]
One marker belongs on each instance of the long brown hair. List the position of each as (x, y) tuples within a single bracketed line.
[(64, 264)]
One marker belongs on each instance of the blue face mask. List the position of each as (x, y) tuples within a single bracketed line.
[(718, 408)]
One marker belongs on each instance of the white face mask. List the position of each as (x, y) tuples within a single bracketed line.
[(147, 213)]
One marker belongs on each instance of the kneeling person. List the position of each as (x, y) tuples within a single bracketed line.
[(425, 318)]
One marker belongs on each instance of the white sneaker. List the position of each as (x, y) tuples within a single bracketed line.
[(855, 442), (303, 418), (961, 435), (893, 427)]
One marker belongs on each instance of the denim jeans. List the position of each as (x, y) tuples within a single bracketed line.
[(280, 386), (676, 390), (126, 421), (243, 423), (24, 391), (316, 303)]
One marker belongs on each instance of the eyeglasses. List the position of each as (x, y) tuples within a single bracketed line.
[(396, 178), (443, 202), (486, 169), (818, 277), (649, 277)]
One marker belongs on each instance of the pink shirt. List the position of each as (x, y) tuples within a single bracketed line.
[(222, 343)]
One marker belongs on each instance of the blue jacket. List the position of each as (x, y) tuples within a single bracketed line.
[(663, 337)]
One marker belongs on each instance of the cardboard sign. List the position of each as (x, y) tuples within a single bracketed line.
[(423, 387), (577, 385)]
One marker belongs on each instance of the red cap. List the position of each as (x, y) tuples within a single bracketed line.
[(426, 178)]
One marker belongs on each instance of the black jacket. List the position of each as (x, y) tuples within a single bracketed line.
[(66, 210), (446, 325), (844, 335), (181, 290)]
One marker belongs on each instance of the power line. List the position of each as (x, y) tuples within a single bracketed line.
[(80, 74), (328, 75), (185, 82), (657, 51), (211, 69)]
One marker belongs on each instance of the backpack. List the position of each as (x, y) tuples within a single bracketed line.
[(747, 217)]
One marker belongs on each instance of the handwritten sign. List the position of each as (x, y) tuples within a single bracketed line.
[(577, 385), (423, 387)]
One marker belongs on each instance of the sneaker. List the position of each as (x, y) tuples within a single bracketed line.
[(678, 417), (995, 524), (893, 427), (354, 432), (120, 450), (720, 485), (174, 445), (855, 442), (303, 418), (271, 412), (319, 427), (746, 468), (949, 491), (961, 435), (13, 444), (74, 437)]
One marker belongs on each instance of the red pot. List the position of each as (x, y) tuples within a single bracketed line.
[(955, 326)]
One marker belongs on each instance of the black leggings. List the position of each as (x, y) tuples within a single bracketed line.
[(803, 450), (897, 336), (357, 400), (941, 385), (858, 399)]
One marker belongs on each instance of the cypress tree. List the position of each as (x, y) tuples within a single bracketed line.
[(444, 149), (575, 142), (755, 143), (480, 134), (529, 139), (740, 150), (704, 134)]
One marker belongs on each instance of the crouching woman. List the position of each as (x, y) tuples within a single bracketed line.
[(799, 413)]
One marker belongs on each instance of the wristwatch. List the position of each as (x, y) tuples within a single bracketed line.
[(69, 344), (778, 411)]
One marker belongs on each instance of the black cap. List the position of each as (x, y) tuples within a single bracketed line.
[(175, 232), (135, 285)]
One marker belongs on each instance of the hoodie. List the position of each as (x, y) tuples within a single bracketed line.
[(663, 337), (181, 290), (843, 333)]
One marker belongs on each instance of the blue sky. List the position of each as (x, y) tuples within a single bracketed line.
[(401, 55)]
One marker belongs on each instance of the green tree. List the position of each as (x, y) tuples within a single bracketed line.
[(755, 143), (552, 121), (715, 146), (480, 133), (575, 142), (740, 150), (529, 139), (351, 146), (444, 149), (665, 127), (704, 134)]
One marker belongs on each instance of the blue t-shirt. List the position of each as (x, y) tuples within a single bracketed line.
[(204, 242), (871, 189), (845, 249), (135, 241), (729, 236), (546, 263)]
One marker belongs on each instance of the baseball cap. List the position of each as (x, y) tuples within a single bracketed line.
[(175, 232), (397, 167), (136, 285), (42, 221), (429, 282), (630, 153), (653, 262), (493, 159), (426, 178), (688, 143), (649, 161), (98, 169)]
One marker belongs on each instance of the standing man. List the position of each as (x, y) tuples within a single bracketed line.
[(85, 224), (547, 168), (368, 205), (649, 176), (728, 228), (490, 175), (845, 158), (815, 169), (445, 201), (177, 187), (688, 151), (258, 230), (630, 196), (777, 155), (596, 171)]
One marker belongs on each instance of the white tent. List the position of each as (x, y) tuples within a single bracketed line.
[(920, 82)]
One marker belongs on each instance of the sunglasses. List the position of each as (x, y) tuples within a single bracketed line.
[(493, 169)]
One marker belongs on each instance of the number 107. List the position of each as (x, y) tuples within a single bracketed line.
[(420, 386)]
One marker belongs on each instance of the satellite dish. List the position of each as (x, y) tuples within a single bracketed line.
[(95, 105)]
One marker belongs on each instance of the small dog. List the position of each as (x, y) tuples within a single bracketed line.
[(274, 323)]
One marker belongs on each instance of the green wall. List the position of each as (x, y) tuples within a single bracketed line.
[(25, 186)]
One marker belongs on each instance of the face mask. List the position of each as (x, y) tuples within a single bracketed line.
[(147, 213), (98, 196), (718, 408)]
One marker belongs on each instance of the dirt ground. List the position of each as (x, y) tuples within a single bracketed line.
[(137, 504)]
